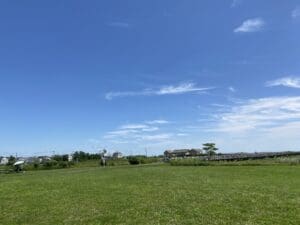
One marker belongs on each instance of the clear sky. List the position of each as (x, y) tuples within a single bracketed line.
[(135, 75)]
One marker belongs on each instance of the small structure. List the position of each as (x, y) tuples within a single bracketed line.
[(18, 166), (103, 157), (117, 155), (3, 160), (182, 153), (70, 158), (42, 159)]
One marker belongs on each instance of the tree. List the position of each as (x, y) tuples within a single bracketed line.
[(102, 157), (11, 160), (80, 156), (210, 149)]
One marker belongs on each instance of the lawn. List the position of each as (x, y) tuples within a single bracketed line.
[(159, 194)]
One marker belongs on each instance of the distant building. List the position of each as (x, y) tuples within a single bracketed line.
[(29, 159), (3, 160), (117, 155), (182, 153), (42, 159), (70, 157)]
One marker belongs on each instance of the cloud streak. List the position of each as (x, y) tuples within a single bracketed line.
[(139, 133), (250, 25), (293, 82), (157, 122), (118, 24), (165, 90)]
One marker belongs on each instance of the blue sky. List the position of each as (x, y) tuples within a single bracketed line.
[(135, 75)]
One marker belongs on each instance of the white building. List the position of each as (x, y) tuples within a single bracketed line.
[(117, 155), (3, 161), (70, 157)]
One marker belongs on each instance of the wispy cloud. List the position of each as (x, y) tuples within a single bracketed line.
[(231, 89), (250, 25), (164, 90), (293, 82), (259, 115), (155, 134), (296, 12), (111, 95), (235, 3), (135, 130), (182, 134), (157, 122), (133, 126), (156, 137), (118, 24)]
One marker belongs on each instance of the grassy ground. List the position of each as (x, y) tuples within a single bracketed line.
[(290, 160), (158, 194)]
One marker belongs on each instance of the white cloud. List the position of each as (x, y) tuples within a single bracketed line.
[(180, 89), (165, 90), (232, 89), (135, 131), (293, 82), (182, 134), (112, 95), (250, 25), (296, 12), (235, 3), (149, 129), (119, 133), (134, 126), (259, 115), (118, 24), (156, 137), (157, 122)]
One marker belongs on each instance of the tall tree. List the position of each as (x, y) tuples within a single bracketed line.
[(210, 149), (102, 157)]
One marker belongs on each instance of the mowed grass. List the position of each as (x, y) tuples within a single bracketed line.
[(158, 194)]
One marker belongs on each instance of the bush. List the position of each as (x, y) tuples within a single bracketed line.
[(117, 162), (36, 165), (133, 160), (63, 164), (50, 164)]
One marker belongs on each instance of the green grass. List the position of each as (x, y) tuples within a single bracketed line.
[(158, 194)]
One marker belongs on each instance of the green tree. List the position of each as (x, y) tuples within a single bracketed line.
[(210, 149), (11, 160)]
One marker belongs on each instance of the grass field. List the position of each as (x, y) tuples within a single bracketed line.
[(159, 194)]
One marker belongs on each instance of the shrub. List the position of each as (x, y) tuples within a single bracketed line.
[(63, 164), (133, 160), (50, 164), (36, 165)]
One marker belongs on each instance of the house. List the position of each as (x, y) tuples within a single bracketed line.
[(182, 153), (3, 160), (117, 155)]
